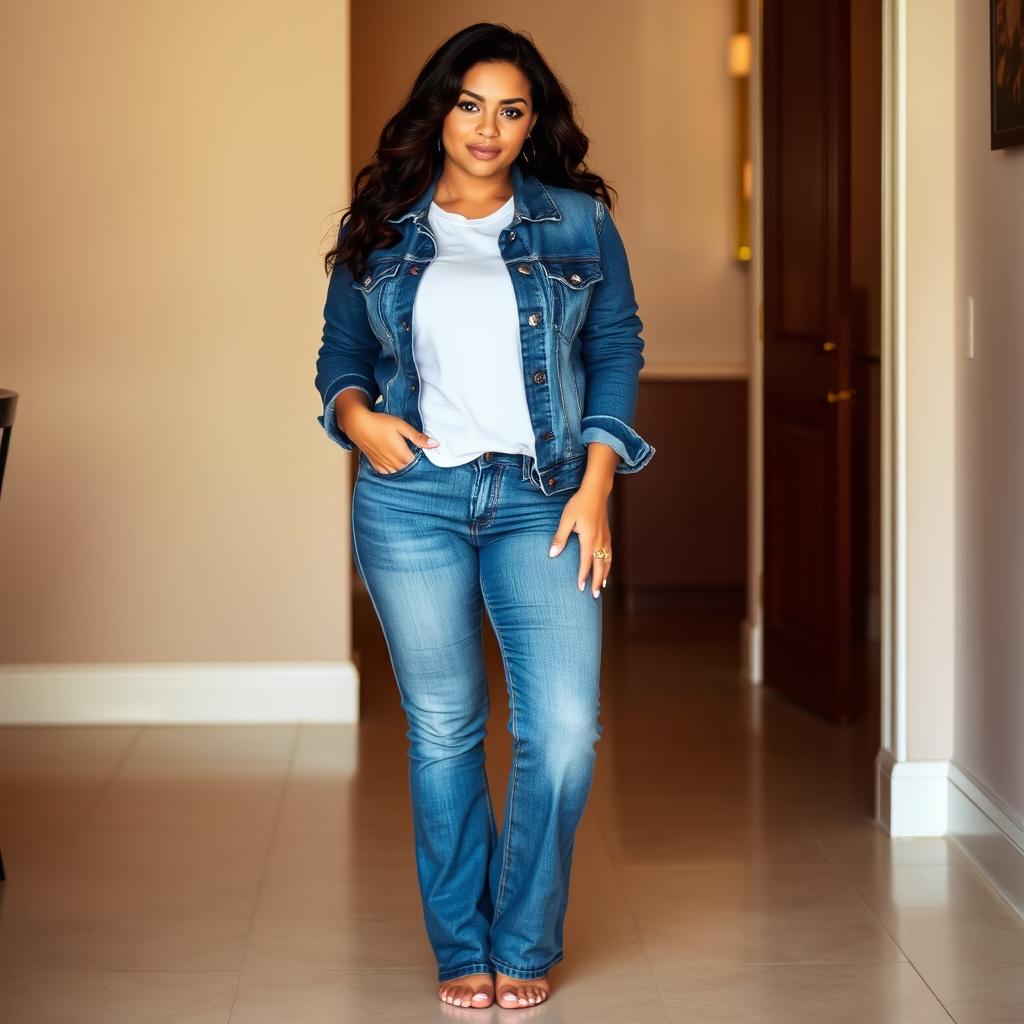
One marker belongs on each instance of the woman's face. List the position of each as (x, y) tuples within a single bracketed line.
[(485, 130)]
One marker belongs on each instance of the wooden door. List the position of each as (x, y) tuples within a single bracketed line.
[(808, 393)]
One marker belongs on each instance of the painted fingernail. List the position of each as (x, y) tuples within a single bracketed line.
[(553, 550), (597, 593), (582, 585)]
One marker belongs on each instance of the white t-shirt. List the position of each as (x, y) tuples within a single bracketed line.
[(465, 339)]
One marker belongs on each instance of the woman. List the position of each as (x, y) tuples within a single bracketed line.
[(480, 288)]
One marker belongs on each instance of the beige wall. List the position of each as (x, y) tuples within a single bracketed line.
[(652, 92), (172, 176), (928, 389), (989, 740), (170, 172)]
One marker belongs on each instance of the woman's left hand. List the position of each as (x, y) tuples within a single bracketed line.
[(586, 513)]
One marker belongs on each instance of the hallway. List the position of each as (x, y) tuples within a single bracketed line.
[(727, 868)]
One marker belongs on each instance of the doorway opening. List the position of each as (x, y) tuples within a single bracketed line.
[(816, 378)]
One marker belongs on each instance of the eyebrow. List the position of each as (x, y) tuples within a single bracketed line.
[(477, 96)]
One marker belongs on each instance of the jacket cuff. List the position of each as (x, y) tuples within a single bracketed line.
[(328, 421), (633, 451)]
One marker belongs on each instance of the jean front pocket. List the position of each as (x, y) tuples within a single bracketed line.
[(401, 471)]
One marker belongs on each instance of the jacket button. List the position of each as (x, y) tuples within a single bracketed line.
[(575, 278), (511, 236), (533, 319), (552, 480), (367, 281), (548, 435), (523, 268), (539, 377), (414, 270), (405, 325), (412, 387)]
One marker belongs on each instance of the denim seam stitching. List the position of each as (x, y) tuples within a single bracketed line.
[(463, 970), (373, 600), (529, 973), (477, 480), (492, 508), (490, 807), (507, 838)]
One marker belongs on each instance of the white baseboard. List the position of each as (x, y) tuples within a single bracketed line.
[(911, 796), (988, 833), (166, 694), (750, 651), (940, 798)]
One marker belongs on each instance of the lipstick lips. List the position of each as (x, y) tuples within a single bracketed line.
[(483, 152)]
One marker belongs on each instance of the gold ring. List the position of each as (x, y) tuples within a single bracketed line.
[(600, 553)]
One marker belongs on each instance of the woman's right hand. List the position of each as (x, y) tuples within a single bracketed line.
[(378, 434)]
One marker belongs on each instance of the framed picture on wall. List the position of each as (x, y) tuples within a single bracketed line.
[(1007, 58)]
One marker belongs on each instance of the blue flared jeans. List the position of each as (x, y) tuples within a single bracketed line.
[(436, 547)]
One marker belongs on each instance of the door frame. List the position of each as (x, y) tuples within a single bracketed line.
[(910, 796)]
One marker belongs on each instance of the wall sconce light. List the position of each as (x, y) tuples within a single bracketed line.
[(739, 54), (739, 65)]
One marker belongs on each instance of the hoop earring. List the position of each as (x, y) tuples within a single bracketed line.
[(530, 159), (440, 148)]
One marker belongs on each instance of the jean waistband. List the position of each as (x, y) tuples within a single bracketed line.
[(508, 458)]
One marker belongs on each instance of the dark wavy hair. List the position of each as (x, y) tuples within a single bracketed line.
[(407, 155)]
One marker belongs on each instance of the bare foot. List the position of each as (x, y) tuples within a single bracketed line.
[(513, 993), (476, 990)]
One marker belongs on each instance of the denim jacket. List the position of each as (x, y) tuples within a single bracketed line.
[(578, 326)]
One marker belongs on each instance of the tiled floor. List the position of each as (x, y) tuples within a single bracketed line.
[(727, 869)]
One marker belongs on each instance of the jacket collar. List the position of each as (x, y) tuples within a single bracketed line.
[(532, 200)]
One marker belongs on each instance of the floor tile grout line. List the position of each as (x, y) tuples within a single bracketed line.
[(632, 917), (107, 783), (278, 813), (881, 924), (115, 970)]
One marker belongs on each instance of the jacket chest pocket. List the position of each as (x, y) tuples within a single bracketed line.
[(376, 272), (374, 289), (571, 284)]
